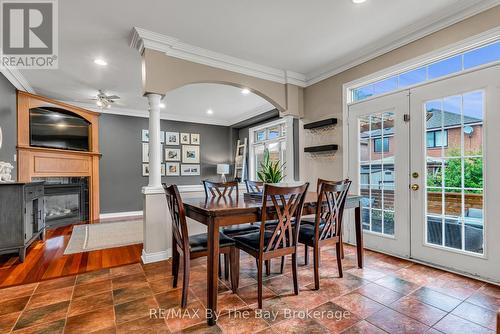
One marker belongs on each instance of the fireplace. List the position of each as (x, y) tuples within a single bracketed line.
[(66, 200)]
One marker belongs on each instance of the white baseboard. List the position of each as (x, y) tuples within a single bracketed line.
[(120, 214), (156, 257)]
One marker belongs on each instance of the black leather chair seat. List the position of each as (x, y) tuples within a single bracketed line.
[(199, 242), (306, 233), (242, 228), (252, 240)]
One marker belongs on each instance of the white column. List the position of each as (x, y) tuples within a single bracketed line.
[(154, 141), (157, 225)]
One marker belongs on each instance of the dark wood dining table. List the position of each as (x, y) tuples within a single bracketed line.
[(220, 212)]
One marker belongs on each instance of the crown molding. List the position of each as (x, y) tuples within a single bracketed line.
[(17, 79), (145, 39), (412, 33)]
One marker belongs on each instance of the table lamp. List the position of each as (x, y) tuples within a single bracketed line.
[(223, 169)]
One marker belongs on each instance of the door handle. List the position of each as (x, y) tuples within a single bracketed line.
[(415, 187)]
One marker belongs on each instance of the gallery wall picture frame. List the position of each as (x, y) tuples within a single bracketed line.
[(145, 152), (190, 154), (145, 169), (172, 154), (195, 139), (172, 169), (190, 170), (171, 138), (145, 135), (162, 170), (185, 138)]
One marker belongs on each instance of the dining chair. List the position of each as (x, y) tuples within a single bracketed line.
[(285, 204), (254, 186), (327, 227), (312, 220), (194, 246), (220, 189)]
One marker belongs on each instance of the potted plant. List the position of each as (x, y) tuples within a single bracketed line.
[(270, 171)]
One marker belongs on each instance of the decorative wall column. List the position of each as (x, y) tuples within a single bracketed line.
[(157, 225)]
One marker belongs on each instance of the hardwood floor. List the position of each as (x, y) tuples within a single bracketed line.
[(45, 260)]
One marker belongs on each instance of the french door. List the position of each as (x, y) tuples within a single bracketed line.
[(455, 165), (378, 145), (426, 161)]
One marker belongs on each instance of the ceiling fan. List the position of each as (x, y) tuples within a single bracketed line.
[(105, 101)]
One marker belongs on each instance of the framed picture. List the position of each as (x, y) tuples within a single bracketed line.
[(171, 138), (162, 170), (162, 137), (145, 169), (185, 138), (190, 154), (172, 154), (190, 170), (172, 169), (195, 139), (145, 135), (145, 152)]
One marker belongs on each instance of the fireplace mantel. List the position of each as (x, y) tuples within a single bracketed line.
[(36, 162)]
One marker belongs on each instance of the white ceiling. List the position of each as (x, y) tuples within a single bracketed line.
[(307, 37)]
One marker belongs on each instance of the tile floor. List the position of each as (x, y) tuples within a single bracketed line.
[(389, 295)]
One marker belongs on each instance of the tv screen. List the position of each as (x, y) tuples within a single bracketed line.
[(58, 128)]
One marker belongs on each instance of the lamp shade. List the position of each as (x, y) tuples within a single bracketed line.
[(222, 169)]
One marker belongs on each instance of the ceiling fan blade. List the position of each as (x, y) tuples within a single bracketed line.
[(112, 97)]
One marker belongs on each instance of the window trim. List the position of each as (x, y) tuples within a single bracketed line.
[(288, 138)]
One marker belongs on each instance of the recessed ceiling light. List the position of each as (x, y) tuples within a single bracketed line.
[(99, 103), (245, 91), (358, 1), (100, 61), (162, 105), (210, 111)]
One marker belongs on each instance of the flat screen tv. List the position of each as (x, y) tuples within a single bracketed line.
[(58, 128)]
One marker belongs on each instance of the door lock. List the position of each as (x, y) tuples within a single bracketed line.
[(415, 187), (415, 175)]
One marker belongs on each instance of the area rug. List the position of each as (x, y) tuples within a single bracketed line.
[(89, 237)]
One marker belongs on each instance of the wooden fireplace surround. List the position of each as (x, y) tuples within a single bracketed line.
[(48, 162)]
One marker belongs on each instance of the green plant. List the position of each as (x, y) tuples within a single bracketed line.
[(270, 171)]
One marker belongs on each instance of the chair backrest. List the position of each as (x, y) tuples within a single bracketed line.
[(179, 225), (254, 186), (220, 189), (330, 208), (285, 204)]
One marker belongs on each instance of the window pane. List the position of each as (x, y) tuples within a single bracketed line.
[(386, 85), (431, 142), (474, 235), (445, 67), (434, 230), (377, 221), (412, 77), (486, 54), (441, 138), (452, 119), (274, 132), (259, 157), (453, 233), (473, 123), (362, 93), (260, 135)]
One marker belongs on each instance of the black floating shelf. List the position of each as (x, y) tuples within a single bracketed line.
[(322, 148), (321, 124)]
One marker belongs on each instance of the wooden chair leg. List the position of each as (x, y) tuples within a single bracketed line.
[(185, 282), (259, 283), (341, 247), (175, 264), (316, 267), (282, 264), (220, 266), (306, 255), (226, 266), (234, 259), (268, 267), (339, 258), (294, 273)]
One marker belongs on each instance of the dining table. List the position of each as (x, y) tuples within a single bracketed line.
[(217, 212)]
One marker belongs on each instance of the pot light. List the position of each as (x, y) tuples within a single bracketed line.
[(245, 91), (99, 103), (210, 111), (358, 1), (162, 105), (100, 62)]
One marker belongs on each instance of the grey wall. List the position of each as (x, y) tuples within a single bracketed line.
[(8, 122), (120, 143)]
